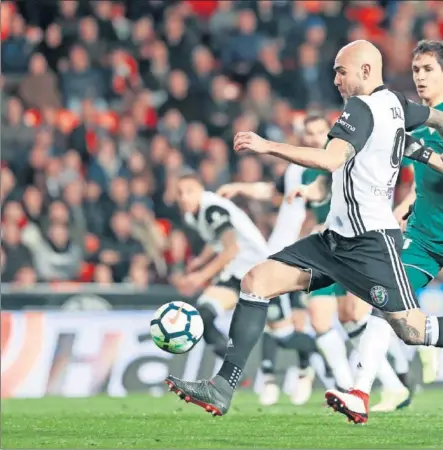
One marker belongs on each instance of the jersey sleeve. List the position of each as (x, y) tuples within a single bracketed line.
[(218, 219), (415, 114), (280, 184), (355, 125)]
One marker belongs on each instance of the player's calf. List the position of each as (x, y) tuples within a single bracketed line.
[(414, 327)]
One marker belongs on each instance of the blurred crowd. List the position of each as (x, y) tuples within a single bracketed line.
[(103, 102)]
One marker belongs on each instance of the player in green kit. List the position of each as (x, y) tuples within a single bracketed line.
[(423, 244)]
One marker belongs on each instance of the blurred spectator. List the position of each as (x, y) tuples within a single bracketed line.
[(73, 198), (218, 154), (120, 247), (128, 141), (53, 48), (195, 144), (89, 38), (119, 195), (314, 81), (39, 88), (242, 50), (259, 100), (173, 127), (56, 257), (106, 165), (155, 72), (18, 47), (33, 204), (203, 65), (84, 138), (179, 42), (7, 184), (279, 128), (15, 254), (219, 109), (103, 12), (180, 98), (103, 275), (16, 137), (94, 208), (81, 81), (67, 20)]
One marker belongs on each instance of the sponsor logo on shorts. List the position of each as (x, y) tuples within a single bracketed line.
[(379, 296)]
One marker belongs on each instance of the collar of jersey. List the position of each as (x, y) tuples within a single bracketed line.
[(378, 89)]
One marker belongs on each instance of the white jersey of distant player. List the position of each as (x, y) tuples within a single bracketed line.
[(216, 212), (290, 216), (363, 188)]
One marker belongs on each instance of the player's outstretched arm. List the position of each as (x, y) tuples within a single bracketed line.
[(257, 191), (229, 252), (416, 151), (316, 191), (206, 254), (336, 154)]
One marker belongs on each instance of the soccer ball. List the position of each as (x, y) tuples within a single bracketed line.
[(176, 327)]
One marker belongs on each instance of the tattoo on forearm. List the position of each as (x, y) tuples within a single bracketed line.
[(407, 333), (435, 120)]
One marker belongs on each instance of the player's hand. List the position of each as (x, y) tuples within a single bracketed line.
[(299, 192), (228, 190), (192, 283), (247, 140), (193, 265)]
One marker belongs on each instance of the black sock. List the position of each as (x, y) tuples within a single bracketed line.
[(211, 334), (304, 359), (440, 334), (269, 354), (299, 341), (248, 322)]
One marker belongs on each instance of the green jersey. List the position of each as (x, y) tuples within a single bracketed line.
[(319, 209), (426, 221)]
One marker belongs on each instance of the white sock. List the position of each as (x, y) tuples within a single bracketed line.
[(401, 362), (388, 378), (355, 329), (333, 347), (372, 350)]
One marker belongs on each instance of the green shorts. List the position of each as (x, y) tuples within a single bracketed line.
[(335, 290), (420, 264)]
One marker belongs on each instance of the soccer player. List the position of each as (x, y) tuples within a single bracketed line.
[(422, 253), (322, 304), (361, 245), (233, 246)]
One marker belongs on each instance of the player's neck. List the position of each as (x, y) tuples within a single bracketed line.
[(434, 101)]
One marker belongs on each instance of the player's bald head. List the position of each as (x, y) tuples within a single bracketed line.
[(359, 68)]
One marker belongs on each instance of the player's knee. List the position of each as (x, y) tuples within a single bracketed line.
[(255, 282)]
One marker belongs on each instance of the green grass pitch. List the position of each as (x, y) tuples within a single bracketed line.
[(149, 422)]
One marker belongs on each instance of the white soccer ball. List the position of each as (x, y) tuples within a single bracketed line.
[(176, 327)]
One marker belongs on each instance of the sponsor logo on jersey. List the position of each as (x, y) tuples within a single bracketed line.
[(346, 115), (378, 191), (346, 125), (379, 296)]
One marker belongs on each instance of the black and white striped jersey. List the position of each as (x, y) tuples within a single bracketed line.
[(363, 187), (217, 214)]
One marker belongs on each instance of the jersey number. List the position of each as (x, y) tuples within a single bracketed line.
[(398, 148)]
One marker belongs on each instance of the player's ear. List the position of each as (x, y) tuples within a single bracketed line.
[(366, 71)]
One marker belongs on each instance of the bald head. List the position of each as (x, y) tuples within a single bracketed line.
[(358, 68)]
